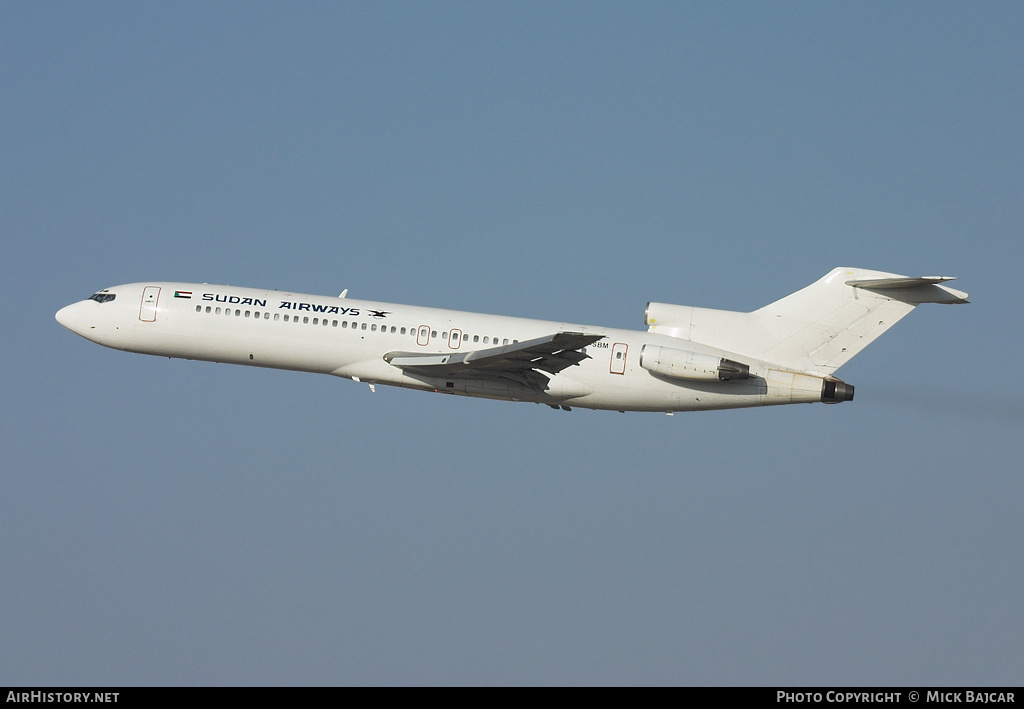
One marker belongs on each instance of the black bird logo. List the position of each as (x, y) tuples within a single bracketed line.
[(379, 313)]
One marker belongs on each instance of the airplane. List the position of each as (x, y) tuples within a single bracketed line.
[(688, 359)]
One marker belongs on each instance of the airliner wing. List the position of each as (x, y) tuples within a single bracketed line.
[(521, 362)]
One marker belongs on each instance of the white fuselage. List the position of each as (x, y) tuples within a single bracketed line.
[(349, 338)]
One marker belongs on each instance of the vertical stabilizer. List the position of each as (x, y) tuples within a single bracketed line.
[(815, 330)]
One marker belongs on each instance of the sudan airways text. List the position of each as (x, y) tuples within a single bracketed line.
[(286, 304)]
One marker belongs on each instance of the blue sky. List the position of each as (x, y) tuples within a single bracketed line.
[(169, 522)]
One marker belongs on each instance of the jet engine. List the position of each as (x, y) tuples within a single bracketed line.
[(681, 364), (834, 391)]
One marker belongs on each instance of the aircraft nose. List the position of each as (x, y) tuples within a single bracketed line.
[(64, 316), (70, 317)]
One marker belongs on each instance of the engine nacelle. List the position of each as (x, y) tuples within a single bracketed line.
[(786, 387), (834, 391), (680, 364)]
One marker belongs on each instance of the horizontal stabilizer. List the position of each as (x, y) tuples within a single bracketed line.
[(925, 289), (899, 282)]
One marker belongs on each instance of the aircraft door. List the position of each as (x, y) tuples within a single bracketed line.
[(618, 362), (150, 298)]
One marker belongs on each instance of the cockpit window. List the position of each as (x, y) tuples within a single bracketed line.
[(102, 297)]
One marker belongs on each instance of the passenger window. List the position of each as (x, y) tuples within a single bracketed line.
[(334, 323), (207, 308), (403, 331), (305, 320), (505, 341), (476, 338), (373, 328), (316, 321), (246, 313), (286, 317), (199, 308), (238, 313), (485, 340), (363, 326), (277, 315)]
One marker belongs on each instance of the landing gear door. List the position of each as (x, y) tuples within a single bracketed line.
[(150, 299)]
